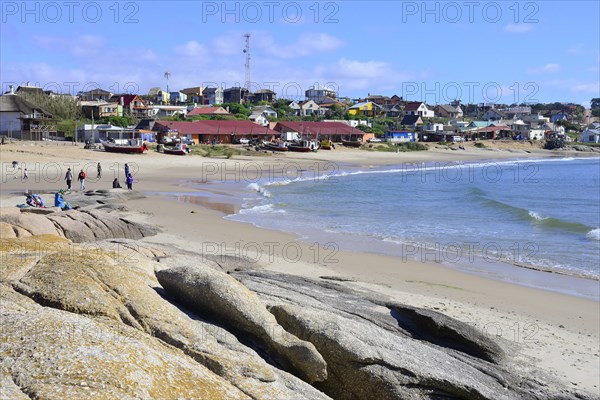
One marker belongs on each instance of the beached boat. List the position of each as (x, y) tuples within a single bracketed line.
[(275, 146), (180, 149), (351, 143), (132, 146), (303, 146)]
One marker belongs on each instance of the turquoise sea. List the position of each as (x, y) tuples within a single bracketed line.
[(538, 214)]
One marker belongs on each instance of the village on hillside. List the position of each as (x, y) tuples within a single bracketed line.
[(211, 115)]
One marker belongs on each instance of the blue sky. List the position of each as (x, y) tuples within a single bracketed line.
[(504, 51)]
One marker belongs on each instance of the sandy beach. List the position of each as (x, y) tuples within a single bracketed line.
[(554, 332)]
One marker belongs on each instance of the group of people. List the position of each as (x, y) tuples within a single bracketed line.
[(82, 176)]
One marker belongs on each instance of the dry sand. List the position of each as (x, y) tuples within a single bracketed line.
[(554, 332)]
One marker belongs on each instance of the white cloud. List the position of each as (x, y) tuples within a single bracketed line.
[(548, 68), (307, 44), (576, 86), (576, 50), (518, 28), (191, 49)]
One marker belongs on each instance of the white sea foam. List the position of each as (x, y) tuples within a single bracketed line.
[(257, 188), (536, 216), (594, 234), (263, 209)]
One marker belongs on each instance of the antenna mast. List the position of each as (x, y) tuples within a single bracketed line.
[(247, 51)]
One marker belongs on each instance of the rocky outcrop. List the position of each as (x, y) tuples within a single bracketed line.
[(84, 225), (375, 348), (101, 288), (123, 318), (217, 295)]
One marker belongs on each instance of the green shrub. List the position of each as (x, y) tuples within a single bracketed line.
[(480, 145)]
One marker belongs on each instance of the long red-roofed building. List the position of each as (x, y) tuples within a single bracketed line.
[(221, 131), (335, 131)]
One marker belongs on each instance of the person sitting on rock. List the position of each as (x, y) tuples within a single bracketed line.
[(116, 184), (60, 202)]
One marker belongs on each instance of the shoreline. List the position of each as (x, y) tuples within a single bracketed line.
[(555, 332)]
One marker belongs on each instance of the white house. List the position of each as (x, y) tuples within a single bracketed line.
[(261, 115), (537, 134), (493, 115), (309, 108), (167, 111), (418, 108), (590, 136)]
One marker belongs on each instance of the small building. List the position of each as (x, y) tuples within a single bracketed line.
[(178, 98), (212, 96), (558, 117), (95, 95), (448, 111), (194, 94), (418, 108), (207, 110), (590, 136), (536, 134), (317, 93), (23, 120), (261, 115), (167, 111), (263, 95), (399, 136), (237, 95), (132, 105), (99, 109), (366, 109), (411, 120), (494, 115)]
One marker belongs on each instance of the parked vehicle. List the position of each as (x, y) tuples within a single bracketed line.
[(244, 141), (375, 140)]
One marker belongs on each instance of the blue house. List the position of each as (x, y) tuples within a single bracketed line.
[(558, 117), (178, 98), (399, 136)]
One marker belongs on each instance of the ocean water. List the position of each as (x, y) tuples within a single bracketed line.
[(536, 214)]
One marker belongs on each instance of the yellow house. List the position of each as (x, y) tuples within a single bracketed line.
[(367, 109)]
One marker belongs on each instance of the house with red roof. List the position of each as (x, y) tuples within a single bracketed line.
[(132, 104), (418, 108), (208, 110), (334, 131), (220, 131)]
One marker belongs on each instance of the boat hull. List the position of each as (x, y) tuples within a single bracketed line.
[(175, 152), (123, 149), (300, 149), (275, 148)]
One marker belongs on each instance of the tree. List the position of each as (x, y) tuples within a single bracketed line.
[(61, 107), (595, 103), (236, 108)]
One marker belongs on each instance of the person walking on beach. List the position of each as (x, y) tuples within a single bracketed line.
[(81, 179), (126, 171), (25, 176), (69, 178), (129, 182), (99, 171)]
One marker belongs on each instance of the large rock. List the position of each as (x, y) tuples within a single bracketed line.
[(53, 354), (375, 348), (101, 286), (219, 296)]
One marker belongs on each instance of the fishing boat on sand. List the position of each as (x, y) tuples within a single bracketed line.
[(130, 146), (352, 142), (180, 149), (303, 146), (275, 146)]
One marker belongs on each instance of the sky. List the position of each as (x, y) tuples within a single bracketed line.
[(435, 51)]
